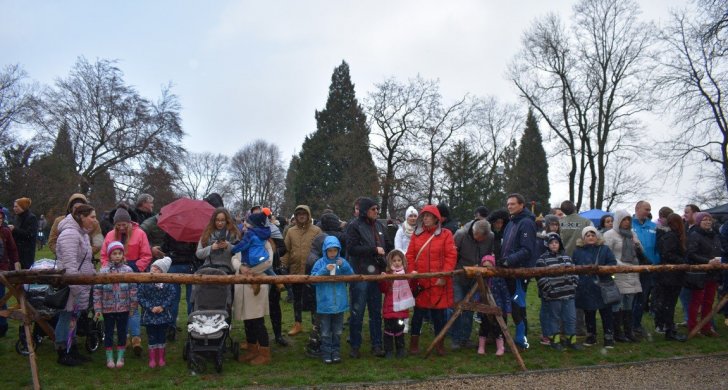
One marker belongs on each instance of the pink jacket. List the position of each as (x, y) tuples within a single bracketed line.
[(136, 248)]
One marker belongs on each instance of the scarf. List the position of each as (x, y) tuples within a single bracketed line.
[(402, 298), (628, 250), (408, 229)]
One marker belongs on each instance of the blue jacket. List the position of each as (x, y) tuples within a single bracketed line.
[(519, 248), (331, 298), (149, 296), (647, 234), (588, 292)]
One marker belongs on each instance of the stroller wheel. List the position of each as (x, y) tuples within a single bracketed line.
[(218, 363), (93, 340), (21, 348), (196, 363), (236, 352)]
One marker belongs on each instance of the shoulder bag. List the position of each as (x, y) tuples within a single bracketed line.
[(57, 297)]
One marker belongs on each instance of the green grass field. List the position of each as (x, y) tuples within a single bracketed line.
[(291, 367)]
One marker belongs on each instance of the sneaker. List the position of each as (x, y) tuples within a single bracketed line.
[(590, 340), (608, 343), (477, 320), (336, 359), (659, 329), (328, 361), (684, 324), (282, 341), (545, 340)]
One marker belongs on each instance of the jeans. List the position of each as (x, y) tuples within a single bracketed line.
[(365, 295), (463, 326), (625, 304), (560, 310), (685, 297), (118, 321), (63, 328), (156, 335), (437, 316), (180, 269), (332, 325), (134, 324)]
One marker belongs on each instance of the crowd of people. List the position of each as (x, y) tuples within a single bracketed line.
[(128, 239)]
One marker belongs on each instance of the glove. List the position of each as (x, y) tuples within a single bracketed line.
[(501, 262)]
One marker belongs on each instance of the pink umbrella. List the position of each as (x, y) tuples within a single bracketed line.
[(185, 219)]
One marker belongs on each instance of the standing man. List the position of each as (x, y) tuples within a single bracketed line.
[(25, 231), (473, 241), (366, 248), (144, 209), (689, 217), (298, 241), (571, 226), (646, 232), (518, 250)]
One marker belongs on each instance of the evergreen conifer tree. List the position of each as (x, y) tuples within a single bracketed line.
[(335, 164), (464, 173), (529, 175)]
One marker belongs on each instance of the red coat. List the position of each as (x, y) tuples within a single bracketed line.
[(385, 286), (11, 250), (440, 255)]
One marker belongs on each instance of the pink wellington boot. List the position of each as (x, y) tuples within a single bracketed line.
[(499, 347), (160, 357), (152, 357), (481, 345)]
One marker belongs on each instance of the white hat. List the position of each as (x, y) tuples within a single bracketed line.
[(163, 264)]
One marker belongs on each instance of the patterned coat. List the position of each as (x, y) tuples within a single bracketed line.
[(151, 295), (115, 297)]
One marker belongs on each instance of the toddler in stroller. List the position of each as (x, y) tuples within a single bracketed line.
[(209, 323)]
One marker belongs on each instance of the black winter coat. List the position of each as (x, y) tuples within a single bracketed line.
[(668, 246), (362, 239), (588, 292), (25, 232), (704, 245)]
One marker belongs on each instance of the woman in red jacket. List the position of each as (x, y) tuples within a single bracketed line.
[(8, 259), (431, 249)]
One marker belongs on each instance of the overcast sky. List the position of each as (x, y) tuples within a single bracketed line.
[(252, 69)]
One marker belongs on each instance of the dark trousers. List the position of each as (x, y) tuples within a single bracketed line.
[(116, 321), (298, 302), (489, 326), (664, 301), (157, 335), (274, 306), (437, 316), (393, 334), (255, 332), (590, 318)]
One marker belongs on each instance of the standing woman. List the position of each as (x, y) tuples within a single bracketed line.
[(8, 261), (591, 250), (404, 233), (624, 244), (672, 246), (431, 249), (74, 254), (703, 248), (216, 242), (25, 231), (138, 255)]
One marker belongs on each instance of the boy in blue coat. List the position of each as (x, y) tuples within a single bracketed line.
[(332, 299)]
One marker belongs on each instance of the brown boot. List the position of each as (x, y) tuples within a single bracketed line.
[(414, 348), (253, 352), (440, 347), (262, 358), (296, 329)]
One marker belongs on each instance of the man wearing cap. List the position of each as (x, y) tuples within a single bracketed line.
[(366, 248), (25, 231)]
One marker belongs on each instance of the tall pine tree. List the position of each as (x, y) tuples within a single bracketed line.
[(335, 165), (465, 177), (530, 174)]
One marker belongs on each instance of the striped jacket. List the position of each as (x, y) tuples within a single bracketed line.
[(115, 297), (556, 287)]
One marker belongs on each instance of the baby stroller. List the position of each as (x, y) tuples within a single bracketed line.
[(86, 326), (209, 323)]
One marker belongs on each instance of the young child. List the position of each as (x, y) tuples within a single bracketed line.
[(557, 295), (488, 325), (398, 299), (252, 246), (332, 299), (115, 301), (156, 300)]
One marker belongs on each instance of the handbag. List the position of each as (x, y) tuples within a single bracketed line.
[(419, 288), (610, 292), (57, 297), (695, 280)]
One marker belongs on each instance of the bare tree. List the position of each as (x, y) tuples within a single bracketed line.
[(693, 84), (393, 110), (111, 126), (587, 84), (198, 174), (257, 175), (14, 99)]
